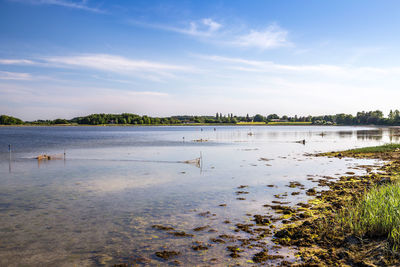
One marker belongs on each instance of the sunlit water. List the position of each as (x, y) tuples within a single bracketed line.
[(97, 206)]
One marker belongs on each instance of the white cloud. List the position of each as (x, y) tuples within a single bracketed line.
[(272, 37), (213, 26), (5, 75), (64, 3), (257, 66), (16, 62), (113, 63), (203, 28), (108, 63)]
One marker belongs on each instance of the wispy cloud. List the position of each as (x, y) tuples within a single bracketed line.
[(107, 63), (112, 63), (16, 62), (82, 5), (257, 66), (5, 75), (272, 37), (267, 66), (203, 28), (208, 29)]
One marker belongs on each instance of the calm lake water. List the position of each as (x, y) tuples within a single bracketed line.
[(97, 206)]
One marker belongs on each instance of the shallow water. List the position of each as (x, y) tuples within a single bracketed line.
[(97, 206)]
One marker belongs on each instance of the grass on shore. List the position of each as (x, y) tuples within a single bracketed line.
[(376, 149), (377, 214), (289, 123), (250, 123)]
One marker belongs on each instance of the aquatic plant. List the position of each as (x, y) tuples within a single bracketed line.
[(377, 214)]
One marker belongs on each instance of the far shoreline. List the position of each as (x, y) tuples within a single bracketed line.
[(193, 124)]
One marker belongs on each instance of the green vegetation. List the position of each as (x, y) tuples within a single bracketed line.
[(354, 223), (377, 214), (8, 120), (289, 123), (362, 118), (251, 123), (376, 149)]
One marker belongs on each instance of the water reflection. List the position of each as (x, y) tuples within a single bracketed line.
[(345, 134), (370, 134)]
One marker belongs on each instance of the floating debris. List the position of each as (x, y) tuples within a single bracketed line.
[(200, 140), (49, 157)]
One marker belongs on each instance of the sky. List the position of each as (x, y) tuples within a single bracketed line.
[(65, 58)]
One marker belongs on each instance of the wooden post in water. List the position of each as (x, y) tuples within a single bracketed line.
[(65, 157), (9, 161)]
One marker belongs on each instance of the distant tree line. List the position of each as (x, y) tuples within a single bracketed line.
[(361, 118), (8, 120)]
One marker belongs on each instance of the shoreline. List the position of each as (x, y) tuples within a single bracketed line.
[(192, 124), (314, 229), (321, 238)]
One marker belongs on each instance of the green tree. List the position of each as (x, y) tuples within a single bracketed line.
[(8, 120), (259, 118)]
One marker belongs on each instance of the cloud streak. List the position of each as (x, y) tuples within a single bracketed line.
[(203, 28), (256, 66), (106, 63), (112, 63), (16, 62), (208, 29), (64, 3), (5, 75)]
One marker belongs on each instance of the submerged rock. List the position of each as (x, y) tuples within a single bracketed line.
[(261, 220), (181, 234), (311, 192), (201, 228), (263, 256), (199, 246), (167, 254), (162, 227)]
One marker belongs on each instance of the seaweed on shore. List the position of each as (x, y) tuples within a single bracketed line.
[(324, 236)]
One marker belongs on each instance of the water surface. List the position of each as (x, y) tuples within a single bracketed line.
[(97, 206)]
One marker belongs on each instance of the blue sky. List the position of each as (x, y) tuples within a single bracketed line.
[(64, 58)]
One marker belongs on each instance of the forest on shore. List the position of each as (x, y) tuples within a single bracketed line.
[(361, 118)]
